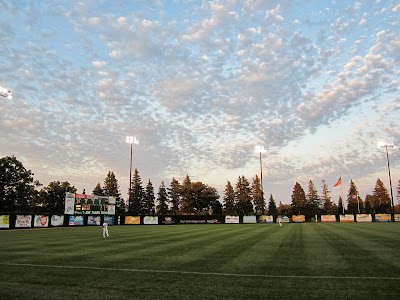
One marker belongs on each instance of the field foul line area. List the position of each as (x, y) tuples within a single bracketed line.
[(202, 273)]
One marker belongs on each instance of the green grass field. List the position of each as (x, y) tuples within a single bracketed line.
[(224, 261)]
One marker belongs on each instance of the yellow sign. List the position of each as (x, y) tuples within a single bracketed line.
[(4, 221), (132, 220), (383, 218), (299, 218)]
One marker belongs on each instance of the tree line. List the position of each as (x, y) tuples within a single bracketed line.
[(20, 193)]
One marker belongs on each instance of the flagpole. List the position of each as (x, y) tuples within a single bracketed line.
[(341, 192)]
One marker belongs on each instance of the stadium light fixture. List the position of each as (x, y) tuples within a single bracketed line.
[(261, 149), (131, 140), (387, 145), (5, 93)]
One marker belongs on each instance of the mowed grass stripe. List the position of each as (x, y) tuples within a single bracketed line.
[(362, 254), (254, 261), (200, 273)]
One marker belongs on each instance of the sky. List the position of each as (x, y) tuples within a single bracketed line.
[(201, 84)]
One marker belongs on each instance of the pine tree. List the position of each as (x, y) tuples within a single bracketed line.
[(298, 199), (340, 210), (111, 188), (258, 197), (382, 202), (272, 210), (328, 205), (313, 201), (369, 204), (187, 203), (98, 191), (162, 200), (137, 194), (229, 200), (354, 204), (174, 195), (148, 201), (243, 197)]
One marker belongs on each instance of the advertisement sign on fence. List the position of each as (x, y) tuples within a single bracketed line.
[(41, 221), (266, 219), (93, 220), (328, 218), (4, 221), (249, 219), (75, 220), (383, 218), (23, 221), (231, 219), (57, 220), (346, 218), (150, 220), (132, 220), (110, 220), (364, 218), (397, 217), (298, 218), (168, 221)]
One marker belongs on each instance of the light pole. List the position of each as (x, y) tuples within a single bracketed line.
[(5, 93), (131, 140), (386, 146), (261, 149)]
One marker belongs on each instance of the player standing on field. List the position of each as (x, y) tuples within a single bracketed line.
[(105, 230)]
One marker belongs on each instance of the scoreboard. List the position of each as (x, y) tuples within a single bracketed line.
[(82, 204)]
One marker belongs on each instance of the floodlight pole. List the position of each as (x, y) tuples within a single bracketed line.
[(261, 149), (386, 146), (131, 140)]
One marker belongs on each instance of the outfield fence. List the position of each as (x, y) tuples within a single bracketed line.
[(12, 221)]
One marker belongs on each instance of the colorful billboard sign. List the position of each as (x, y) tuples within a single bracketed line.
[(132, 220), (266, 219), (383, 218), (328, 218), (57, 220), (75, 220), (231, 219), (364, 218), (41, 221), (23, 221), (249, 219), (346, 218), (298, 218), (4, 221)]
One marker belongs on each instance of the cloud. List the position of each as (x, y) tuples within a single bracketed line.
[(199, 87)]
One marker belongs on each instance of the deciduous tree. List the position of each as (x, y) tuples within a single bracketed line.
[(53, 196), (17, 187)]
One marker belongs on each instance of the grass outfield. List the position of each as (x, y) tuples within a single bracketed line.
[(224, 261)]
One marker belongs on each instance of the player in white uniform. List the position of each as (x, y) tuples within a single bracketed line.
[(105, 230)]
